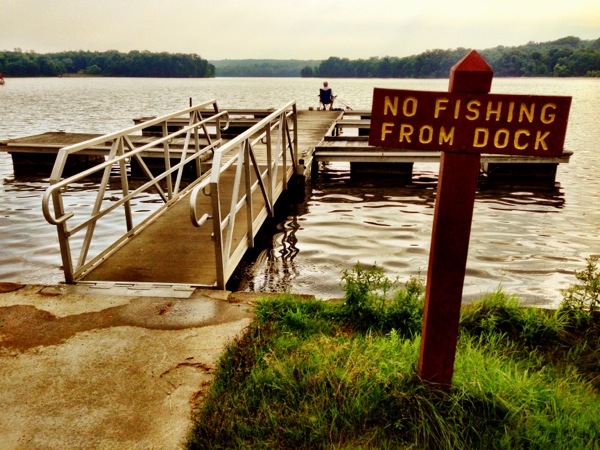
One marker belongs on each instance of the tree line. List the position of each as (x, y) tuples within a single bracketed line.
[(566, 57), (261, 67), (110, 63)]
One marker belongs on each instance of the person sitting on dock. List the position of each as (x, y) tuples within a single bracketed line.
[(326, 96)]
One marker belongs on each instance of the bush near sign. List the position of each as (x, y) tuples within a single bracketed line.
[(526, 125)]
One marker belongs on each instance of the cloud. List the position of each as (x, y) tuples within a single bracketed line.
[(290, 29)]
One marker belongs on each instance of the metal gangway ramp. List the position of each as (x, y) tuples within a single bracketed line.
[(197, 231)]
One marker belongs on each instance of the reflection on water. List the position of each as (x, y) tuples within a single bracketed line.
[(345, 220), (29, 243), (538, 200), (530, 241)]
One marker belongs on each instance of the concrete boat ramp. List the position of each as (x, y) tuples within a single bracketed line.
[(110, 368)]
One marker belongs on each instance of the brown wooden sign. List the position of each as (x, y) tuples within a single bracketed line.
[(461, 122)]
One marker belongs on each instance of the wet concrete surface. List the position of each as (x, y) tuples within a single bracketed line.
[(109, 368)]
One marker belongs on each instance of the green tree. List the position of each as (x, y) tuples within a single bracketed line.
[(307, 72), (93, 70)]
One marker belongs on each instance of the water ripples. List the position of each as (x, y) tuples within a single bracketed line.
[(529, 241)]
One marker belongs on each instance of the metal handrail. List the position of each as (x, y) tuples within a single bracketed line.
[(250, 176), (122, 150)]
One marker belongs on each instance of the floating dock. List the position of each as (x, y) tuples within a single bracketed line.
[(345, 139)]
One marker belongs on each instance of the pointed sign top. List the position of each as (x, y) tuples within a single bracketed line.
[(473, 62), (471, 74)]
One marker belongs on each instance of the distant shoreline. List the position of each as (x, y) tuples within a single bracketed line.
[(567, 57)]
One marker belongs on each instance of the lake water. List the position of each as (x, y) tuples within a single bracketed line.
[(529, 241)]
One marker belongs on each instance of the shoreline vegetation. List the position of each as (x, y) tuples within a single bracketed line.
[(342, 374), (566, 57), (111, 63)]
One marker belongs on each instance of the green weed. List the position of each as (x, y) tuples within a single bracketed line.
[(311, 374), (500, 313), (581, 302), (374, 302)]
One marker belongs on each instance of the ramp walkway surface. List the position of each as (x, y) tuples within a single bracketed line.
[(171, 249)]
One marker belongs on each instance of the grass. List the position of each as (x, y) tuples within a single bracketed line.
[(313, 374)]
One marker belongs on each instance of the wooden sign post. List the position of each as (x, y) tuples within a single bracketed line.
[(462, 124)]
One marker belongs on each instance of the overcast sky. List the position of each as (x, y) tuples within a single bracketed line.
[(290, 29)]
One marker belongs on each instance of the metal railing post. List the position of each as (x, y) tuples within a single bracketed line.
[(295, 123), (283, 130), (270, 184), (248, 190), (63, 237), (167, 159), (220, 259)]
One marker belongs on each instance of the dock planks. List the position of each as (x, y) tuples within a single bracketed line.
[(357, 149)]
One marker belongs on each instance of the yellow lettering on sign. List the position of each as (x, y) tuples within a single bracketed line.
[(528, 113), (426, 134), (446, 137), (480, 139), (503, 124), (406, 131), (493, 112), (456, 108), (501, 138), (409, 106), (539, 140), (385, 130), (518, 145), (547, 117), (511, 110), (440, 105), (388, 105), (472, 107)]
